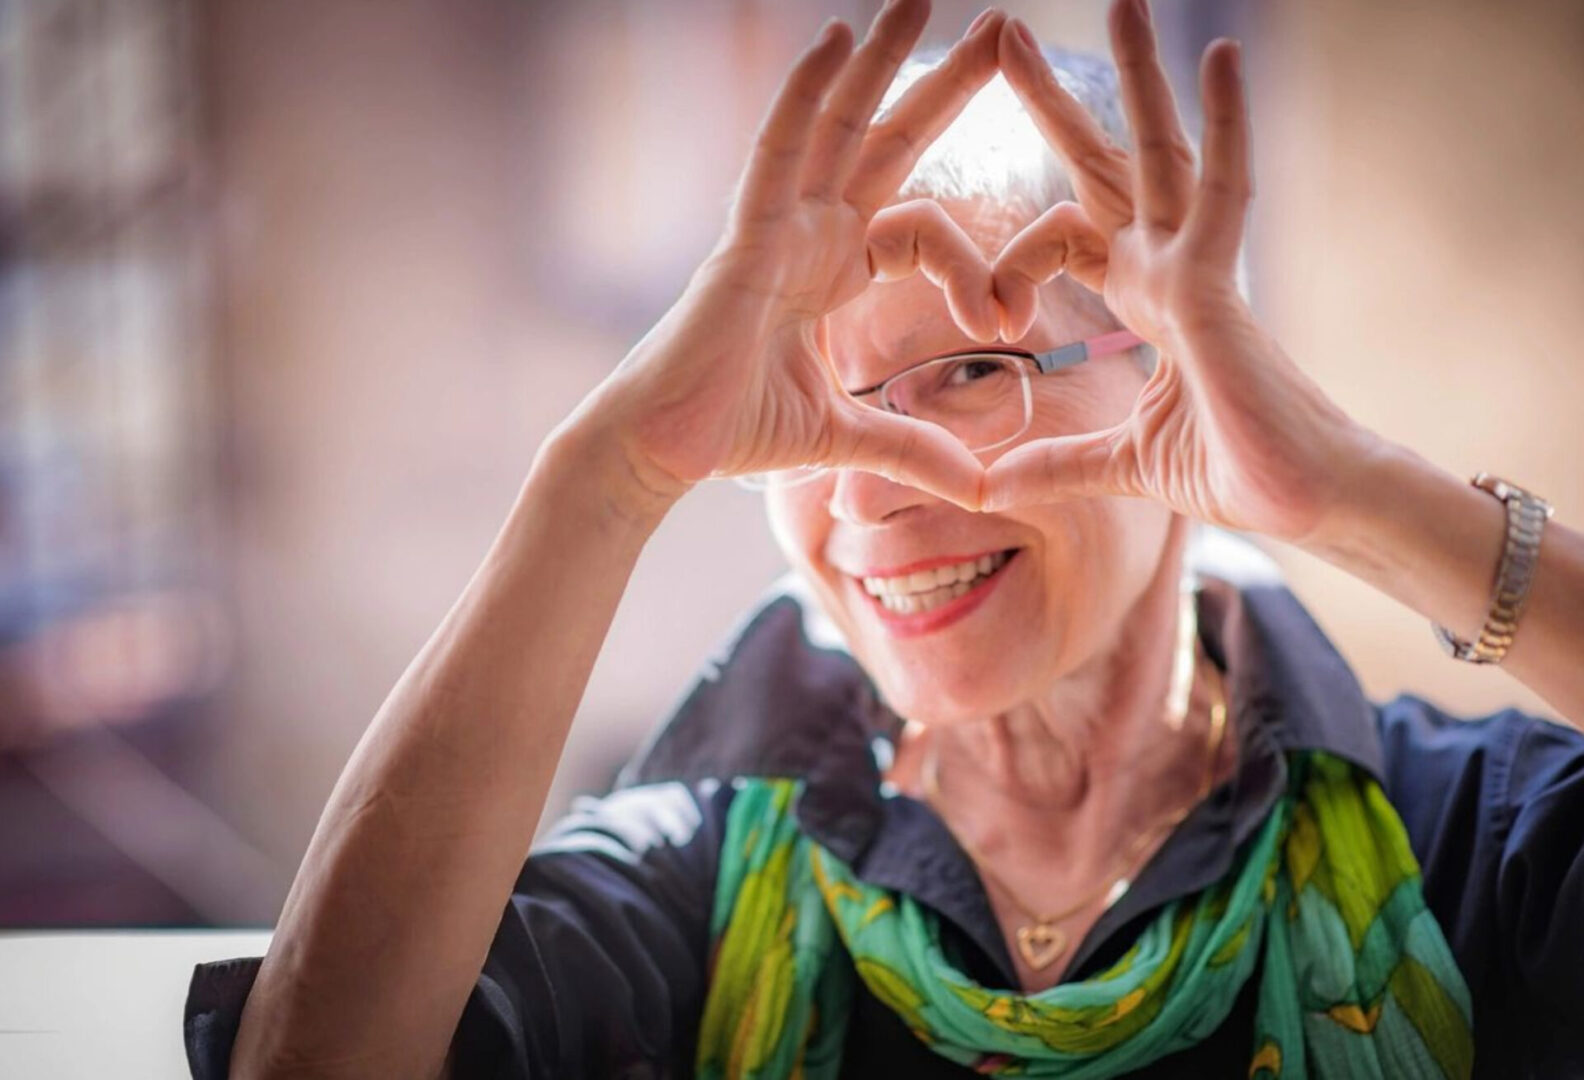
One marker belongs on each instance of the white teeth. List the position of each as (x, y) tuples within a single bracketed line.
[(923, 590), (903, 605)]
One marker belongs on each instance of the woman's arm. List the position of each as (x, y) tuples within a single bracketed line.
[(392, 912), (400, 892), (1229, 429), (1433, 541)]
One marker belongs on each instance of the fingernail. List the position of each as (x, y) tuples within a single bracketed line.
[(984, 17), (1025, 33), (1142, 7)]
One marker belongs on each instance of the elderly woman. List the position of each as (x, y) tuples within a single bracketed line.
[(1006, 782)]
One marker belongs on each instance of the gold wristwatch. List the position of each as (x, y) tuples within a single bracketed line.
[(1527, 514)]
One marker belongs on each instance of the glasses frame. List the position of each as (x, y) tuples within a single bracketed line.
[(1052, 360)]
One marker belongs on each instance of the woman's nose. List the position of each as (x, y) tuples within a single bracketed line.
[(866, 498)]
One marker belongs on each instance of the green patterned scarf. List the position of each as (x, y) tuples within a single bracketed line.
[(1358, 981)]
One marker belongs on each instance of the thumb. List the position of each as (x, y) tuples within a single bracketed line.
[(1063, 467), (1062, 238), (906, 450)]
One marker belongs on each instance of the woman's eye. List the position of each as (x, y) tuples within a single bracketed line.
[(974, 370)]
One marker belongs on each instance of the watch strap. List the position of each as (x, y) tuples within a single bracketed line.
[(1527, 514)]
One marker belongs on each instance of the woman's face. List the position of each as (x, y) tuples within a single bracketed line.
[(1075, 568)]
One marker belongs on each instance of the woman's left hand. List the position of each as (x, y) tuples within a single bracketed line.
[(1227, 430)]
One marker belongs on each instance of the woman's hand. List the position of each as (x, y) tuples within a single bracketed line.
[(1227, 430), (736, 377)]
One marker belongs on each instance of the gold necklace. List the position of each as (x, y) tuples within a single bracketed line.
[(1040, 942)]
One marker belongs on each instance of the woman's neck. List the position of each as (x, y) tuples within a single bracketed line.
[(1079, 773)]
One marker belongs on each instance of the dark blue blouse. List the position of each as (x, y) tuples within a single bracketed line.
[(598, 965)]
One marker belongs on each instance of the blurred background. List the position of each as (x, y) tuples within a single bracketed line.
[(291, 291)]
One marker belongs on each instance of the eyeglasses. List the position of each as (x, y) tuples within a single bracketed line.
[(982, 396)]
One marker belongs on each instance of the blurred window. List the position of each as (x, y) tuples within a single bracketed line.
[(106, 410)]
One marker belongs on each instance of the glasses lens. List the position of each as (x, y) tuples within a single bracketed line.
[(982, 398)]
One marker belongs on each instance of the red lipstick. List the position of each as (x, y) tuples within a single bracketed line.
[(927, 622), (926, 564)]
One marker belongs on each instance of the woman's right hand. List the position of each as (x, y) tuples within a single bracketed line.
[(737, 378)]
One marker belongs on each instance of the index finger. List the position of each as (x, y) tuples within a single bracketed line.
[(1164, 157), (839, 133), (920, 236), (1099, 169), (769, 182), (1215, 223), (895, 142)]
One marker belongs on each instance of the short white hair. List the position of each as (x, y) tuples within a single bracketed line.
[(993, 151)]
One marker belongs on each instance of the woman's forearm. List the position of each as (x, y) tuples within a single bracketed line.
[(398, 897), (1433, 541)]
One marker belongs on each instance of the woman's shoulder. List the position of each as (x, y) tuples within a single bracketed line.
[(1494, 810), (1484, 775), (1508, 757), (1481, 797), (661, 820)]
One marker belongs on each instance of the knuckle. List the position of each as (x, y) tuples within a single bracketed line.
[(888, 136), (887, 255), (804, 95), (893, 52), (844, 123), (1040, 259), (1172, 146), (1228, 189), (1099, 160), (773, 149), (1020, 270)]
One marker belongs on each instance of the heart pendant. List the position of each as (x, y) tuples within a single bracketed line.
[(1040, 944)]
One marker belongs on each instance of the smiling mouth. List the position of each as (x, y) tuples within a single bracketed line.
[(925, 590)]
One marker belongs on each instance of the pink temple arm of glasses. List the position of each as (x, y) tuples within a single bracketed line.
[(1114, 342), (1079, 351)]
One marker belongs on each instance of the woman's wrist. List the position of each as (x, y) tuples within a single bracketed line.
[(1417, 532), (1433, 541), (587, 453)]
